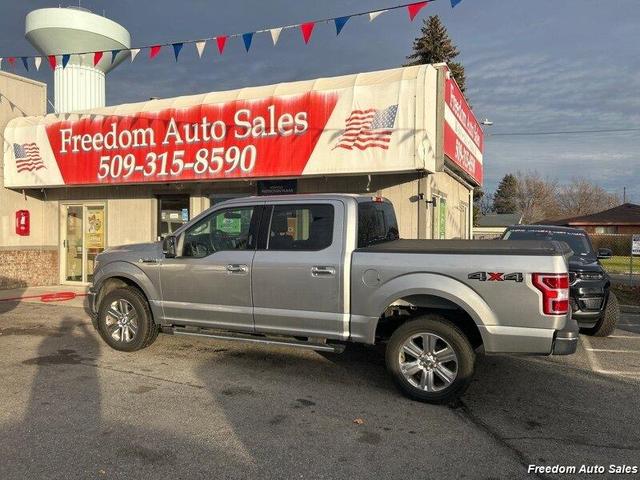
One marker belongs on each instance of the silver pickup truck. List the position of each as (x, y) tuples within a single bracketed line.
[(319, 271)]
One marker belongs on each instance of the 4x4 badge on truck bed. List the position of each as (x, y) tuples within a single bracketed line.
[(496, 276)]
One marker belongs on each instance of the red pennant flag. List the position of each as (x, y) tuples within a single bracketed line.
[(307, 30), (52, 62), (415, 8), (97, 57), (12, 61), (221, 41), (154, 51)]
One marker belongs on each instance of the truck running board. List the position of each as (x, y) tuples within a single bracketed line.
[(239, 337)]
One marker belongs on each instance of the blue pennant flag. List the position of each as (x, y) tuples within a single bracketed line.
[(247, 37), (25, 63), (114, 54), (340, 23), (176, 49), (65, 59), (455, 2)]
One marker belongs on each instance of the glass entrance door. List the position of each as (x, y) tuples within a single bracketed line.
[(83, 238)]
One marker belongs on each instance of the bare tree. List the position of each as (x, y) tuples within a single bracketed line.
[(582, 197), (536, 197)]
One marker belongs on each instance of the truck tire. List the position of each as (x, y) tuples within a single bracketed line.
[(430, 359), (125, 321), (609, 320)]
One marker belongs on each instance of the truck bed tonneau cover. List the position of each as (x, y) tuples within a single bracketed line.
[(470, 247)]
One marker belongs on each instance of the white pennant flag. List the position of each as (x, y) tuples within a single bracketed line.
[(374, 15), (200, 47), (1, 63), (275, 34), (134, 52), (37, 61)]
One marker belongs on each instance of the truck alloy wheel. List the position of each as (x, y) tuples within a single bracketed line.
[(122, 321), (125, 321), (428, 362), (430, 359)]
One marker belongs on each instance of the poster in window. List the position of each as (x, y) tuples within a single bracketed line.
[(94, 235)]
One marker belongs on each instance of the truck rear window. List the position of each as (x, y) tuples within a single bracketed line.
[(376, 223)]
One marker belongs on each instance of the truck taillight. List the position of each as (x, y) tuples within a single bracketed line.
[(555, 292)]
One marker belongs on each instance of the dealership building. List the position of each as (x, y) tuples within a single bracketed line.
[(75, 183)]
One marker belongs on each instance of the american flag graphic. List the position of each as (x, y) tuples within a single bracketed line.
[(27, 157), (370, 128)]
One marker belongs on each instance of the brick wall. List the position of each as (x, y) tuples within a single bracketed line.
[(27, 267)]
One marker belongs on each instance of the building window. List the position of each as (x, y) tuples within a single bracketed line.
[(606, 230), (173, 212)]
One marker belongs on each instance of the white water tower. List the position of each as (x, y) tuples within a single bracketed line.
[(55, 31)]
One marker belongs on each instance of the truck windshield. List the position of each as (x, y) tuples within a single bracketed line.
[(577, 241), (376, 223)]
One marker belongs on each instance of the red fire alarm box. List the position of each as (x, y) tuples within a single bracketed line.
[(22, 223)]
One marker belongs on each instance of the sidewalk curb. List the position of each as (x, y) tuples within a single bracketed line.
[(629, 309)]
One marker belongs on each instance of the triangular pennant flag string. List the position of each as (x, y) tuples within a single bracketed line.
[(154, 51), (374, 15), (200, 47), (340, 23), (221, 41), (176, 49), (307, 30), (247, 38), (275, 34), (414, 9), (1, 58)]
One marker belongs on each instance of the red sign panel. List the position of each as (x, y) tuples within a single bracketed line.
[(272, 137), (463, 136)]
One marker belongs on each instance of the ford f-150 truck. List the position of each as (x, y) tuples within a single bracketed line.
[(319, 271)]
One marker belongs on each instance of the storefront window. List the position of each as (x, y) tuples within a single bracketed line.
[(173, 212)]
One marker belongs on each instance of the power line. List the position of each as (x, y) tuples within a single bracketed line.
[(560, 132)]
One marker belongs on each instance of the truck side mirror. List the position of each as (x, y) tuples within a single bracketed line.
[(604, 253), (169, 246)]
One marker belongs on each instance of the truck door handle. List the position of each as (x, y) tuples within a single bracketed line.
[(322, 271), (235, 268)]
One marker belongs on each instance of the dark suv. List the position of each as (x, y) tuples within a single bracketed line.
[(593, 306)]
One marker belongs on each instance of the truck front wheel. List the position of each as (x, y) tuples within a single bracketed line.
[(430, 359), (125, 321)]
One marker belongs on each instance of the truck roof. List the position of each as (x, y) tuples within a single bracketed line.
[(306, 197)]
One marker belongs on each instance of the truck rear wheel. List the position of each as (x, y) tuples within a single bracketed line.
[(609, 320), (125, 321), (430, 359)]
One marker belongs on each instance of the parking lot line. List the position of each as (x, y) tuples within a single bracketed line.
[(615, 372), (611, 350), (634, 337)]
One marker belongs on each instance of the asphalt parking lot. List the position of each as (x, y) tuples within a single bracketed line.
[(187, 408)]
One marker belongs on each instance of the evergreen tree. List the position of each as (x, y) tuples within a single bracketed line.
[(505, 200), (435, 46)]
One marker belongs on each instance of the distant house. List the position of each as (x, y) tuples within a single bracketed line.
[(622, 219), (494, 225)]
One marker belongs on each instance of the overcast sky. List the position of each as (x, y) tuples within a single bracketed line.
[(531, 66)]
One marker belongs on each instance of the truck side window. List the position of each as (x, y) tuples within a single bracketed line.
[(229, 229), (376, 223), (301, 227)]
